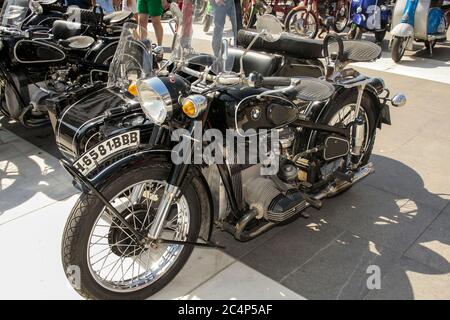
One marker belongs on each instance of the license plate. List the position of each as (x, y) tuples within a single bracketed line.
[(93, 157)]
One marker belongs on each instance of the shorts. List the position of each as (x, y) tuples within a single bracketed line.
[(151, 7)]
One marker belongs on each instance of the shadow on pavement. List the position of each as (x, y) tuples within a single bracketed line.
[(328, 255)]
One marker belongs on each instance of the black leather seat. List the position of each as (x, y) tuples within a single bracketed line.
[(65, 29), (265, 64), (288, 44)]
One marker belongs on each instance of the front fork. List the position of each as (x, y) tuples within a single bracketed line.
[(172, 189)]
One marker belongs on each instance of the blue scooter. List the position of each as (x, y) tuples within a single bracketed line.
[(369, 15), (420, 20)]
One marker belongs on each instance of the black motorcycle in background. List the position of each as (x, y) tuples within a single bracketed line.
[(141, 212), (38, 63)]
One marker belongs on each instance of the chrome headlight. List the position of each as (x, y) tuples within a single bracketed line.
[(154, 98), (359, 10)]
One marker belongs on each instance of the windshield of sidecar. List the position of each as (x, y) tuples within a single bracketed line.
[(133, 59), (13, 12), (200, 30)]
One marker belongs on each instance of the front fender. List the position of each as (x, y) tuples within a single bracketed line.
[(113, 171), (404, 30)]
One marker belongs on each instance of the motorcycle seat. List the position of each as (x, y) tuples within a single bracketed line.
[(265, 64), (357, 51), (117, 17), (66, 29), (288, 44)]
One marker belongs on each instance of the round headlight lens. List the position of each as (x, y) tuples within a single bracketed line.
[(155, 99)]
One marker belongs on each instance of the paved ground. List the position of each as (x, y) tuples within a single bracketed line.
[(397, 219)]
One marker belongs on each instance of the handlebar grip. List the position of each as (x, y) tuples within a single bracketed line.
[(276, 82)]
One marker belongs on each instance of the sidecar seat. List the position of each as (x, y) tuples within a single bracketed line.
[(265, 64), (288, 44)]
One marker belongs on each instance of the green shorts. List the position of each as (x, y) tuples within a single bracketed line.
[(151, 7)]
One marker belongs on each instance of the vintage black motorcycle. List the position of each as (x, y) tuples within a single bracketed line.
[(142, 210), (38, 64)]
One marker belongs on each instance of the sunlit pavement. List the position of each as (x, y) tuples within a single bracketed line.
[(397, 220)]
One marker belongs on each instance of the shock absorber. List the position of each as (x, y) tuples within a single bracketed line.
[(358, 137)]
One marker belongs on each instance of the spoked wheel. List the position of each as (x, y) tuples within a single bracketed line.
[(398, 48), (101, 253), (341, 18), (250, 13), (303, 23), (341, 114)]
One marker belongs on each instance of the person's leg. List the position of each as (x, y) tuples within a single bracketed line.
[(233, 19), (143, 22), (159, 32), (220, 13), (142, 8)]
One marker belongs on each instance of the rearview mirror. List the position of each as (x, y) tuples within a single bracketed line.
[(269, 27)]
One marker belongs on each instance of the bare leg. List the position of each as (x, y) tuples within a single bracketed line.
[(159, 32), (143, 22)]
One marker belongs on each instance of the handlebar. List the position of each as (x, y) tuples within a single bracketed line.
[(254, 79), (276, 82)]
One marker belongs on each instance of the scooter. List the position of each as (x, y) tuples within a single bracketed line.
[(420, 20), (369, 15)]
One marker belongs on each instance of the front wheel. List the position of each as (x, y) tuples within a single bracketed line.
[(101, 258), (398, 48)]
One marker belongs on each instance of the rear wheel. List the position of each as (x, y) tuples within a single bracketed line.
[(398, 48), (339, 114), (302, 23), (100, 257)]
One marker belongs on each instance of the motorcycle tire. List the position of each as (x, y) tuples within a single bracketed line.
[(344, 100), (307, 15), (252, 17), (77, 235), (397, 50)]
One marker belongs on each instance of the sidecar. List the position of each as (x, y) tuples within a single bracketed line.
[(370, 15)]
